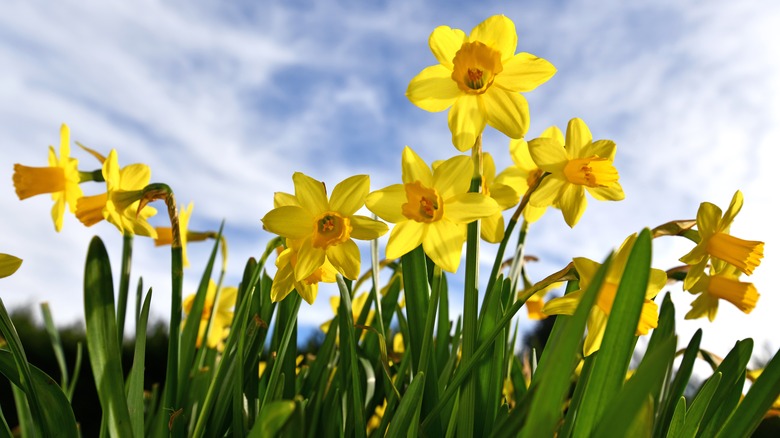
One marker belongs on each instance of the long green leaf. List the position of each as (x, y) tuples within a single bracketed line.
[(407, 409), (678, 419), (699, 406), (729, 390), (272, 419), (103, 341), (677, 388), (135, 381), (349, 358)]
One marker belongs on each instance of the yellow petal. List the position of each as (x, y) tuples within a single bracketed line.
[(281, 199), (466, 119), (386, 203), (492, 228), (612, 193), (309, 259), (548, 192), (413, 168), (444, 244), (308, 291), (488, 168), (445, 43), (453, 176), (345, 258), (597, 322), (349, 195), (524, 72), (498, 32), (548, 154), (468, 207), (521, 155), (310, 193), (507, 112), (565, 305), (554, 133), (586, 268), (707, 218), (504, 195), (573, 204), (9, 264), (577, 136), (365, 228), (601, 148), (513, 177), (533, 214), (289, 221), (134, 177), (734, 207), (433, 89), (58, 212), (704, 304), (404, 237)]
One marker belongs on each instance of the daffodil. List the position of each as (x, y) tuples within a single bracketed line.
[(535, 303), (481, 78), (9, 264), (223, 314), (582, 164), (357, 308), (284, 280), (524, 173), (492, 227), (597, 320), (722, 284), (119, 205), (325, 226), (718, 244), (61, 179), (165, 234), (431, 208)]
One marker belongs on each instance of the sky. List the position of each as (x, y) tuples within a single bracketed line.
[(226, 100)]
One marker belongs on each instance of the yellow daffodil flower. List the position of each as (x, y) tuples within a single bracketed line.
[(481, 78), (284, 280), (492, 227), (223, 314), (9, 264), (165, 234), (716, 242), (535, 303), (431, 208), (61, 179), (597, 320), (325, 227), (524, 173), (722, 284), (582, 164), (119, 205)]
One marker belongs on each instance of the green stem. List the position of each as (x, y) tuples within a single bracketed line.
[(276, 369), (95, 175), (124, 285)]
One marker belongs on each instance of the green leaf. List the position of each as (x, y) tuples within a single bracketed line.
[(677, 388), (729, 390), (349, 358), (56, 343), (408, 408), (272, 419), (678, 420), (617, 346), (103, 341), (699, 406), (135, 381)]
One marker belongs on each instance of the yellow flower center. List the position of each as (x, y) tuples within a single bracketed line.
[(475, 66), (423, 204), (743, 295), (648, 318), (89, 209), (591, 172), (744, 254), (331, 229), (31, 181)]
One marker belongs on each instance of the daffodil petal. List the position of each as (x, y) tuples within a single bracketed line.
[(507, 112), (492, 228), (704, 304), (345, 258), (289, 221), (734, 207), (58, 212), (281, 199), (498, 32), (573, 204), (64, 143), (504, 195), (548, 154), (404, 237), (349, 195), (532, 214), (444, 244), (467, 119), (707, 219), (601, 148), (134, 177), (308, 291), (9, 264), (468, 207), (282, 284), (309, 259), (614, 192), (513, 177), (565, 305), (521, 155), (586, 268), (597, 322), (524, 72), (695, 273), (548, 192), (413, 168), (433, 89), (577, 136), (386, 203), (445, 43), (453, 176), (310, 193), (554, 133), (365, 228)]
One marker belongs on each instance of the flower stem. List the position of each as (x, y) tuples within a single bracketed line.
[(124, 285)]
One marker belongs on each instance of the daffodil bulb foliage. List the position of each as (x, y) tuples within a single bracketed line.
[(60, 178), (432, 208), (579, 165), (717, 244), (480, 78), (119, 204), (325, 227), (597, 320)]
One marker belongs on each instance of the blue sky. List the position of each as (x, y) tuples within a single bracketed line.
[(225, 101)]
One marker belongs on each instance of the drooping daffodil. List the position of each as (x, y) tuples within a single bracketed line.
[(432, 208), (579, 165), (60, 178), (722, 284), (480, 77)]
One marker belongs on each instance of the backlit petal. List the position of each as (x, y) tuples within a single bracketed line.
[(404, 237), (612, 193), (413, 168), (734, 207), (707, 219), (548, 192), (468, 207), (504, 195), (498, 32), (586, 268), (444, 244), (289, 221), (134, 176), (309, 259), (492, 228), (345, 258), (577, 136), (507, 112), (365, 228), (282, 284), (433, 89), (445, 43), (281, 199), (310, 193), (597, 322), (524, 72), (466, 119), (453, 176), (554, 133), (565, 305), (573, 203), (349, 195), (548, 154), (601, 148), (386, 203)]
